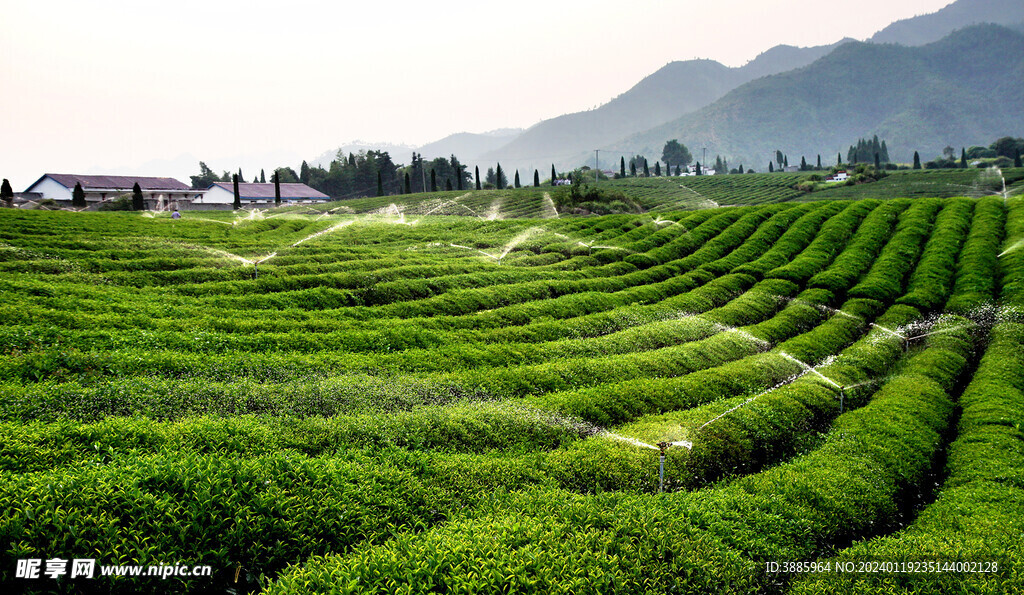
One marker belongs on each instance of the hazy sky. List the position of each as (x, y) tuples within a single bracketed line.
[(113, 85)]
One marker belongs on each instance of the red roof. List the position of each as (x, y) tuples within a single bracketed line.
[(288, 191), (116, 182)]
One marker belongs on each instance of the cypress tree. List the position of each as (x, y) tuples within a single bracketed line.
[(878, 161), (632, 167), (7, 193), (433, 180), (500, 178), (447, 183), (240, 176), (77, 196), (963, 157), (647, 171), (771, 167), (668, 169), (408, 184), (657, 168), (622, 167), (839, 159), (256, 180), (517, 179), (553, 174), (263, 177), (458, 177), (303, 173), (477, 169), (803, 163), (238, 197), (536, 179), (785, 161), (697, 169), (277, 188), (138, 203), (917, 160), (380, 184), (678, 170)]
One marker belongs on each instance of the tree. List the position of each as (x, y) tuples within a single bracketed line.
[(1008, 146), (458, 177), (491, 178), (819, 160), (917, 160), (304, 173), (678, 170), (447, 183), (553, 174), (205, 179), (697, 169), (536, 179), (238, 197), (78, 197), (1016, 159), (785, 161), (500, 180), (657, 168), (433, 180), (256, 180), (408, 184), (803, 163), (263, 177), (948, 153), (778, 157), (6, 193), (878, 161), (675, 152), (138, 203), (622, 167), (963, 158), (632, 167), (477, 169), (839, 159), (517, 179), (277, 189), (647, 171), (285, 175), (771, 167), (380, 184)]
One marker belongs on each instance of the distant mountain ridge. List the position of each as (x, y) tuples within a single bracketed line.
[(917, 98), (675, 89), (932, 27)]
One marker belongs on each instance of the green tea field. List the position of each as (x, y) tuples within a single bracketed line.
[(393, 399)]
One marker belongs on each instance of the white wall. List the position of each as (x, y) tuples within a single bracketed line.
[(216, 195), (50, 188)]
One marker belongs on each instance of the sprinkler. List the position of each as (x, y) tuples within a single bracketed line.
[(256, 270), (842, 397), (661, 466)]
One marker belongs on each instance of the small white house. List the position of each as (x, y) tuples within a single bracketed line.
[(839, 176), (223, 193), (157, 192)]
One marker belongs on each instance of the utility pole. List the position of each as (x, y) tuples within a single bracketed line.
[(704, 162), (597, 152)]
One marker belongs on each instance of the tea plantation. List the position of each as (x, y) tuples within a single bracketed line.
[(406, 401)]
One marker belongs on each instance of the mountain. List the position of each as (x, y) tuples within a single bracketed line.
[(927, 28), (966, 89), (675, 89), (399, 153), (468, 146)]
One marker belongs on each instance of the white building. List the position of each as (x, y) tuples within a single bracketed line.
[(159, 193), (839, 176), (222, 193)]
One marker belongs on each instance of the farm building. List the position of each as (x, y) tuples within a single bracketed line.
[(222, 193), (839, 176), (157, 192)]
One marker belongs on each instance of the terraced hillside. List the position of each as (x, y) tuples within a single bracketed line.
[(383, 403)]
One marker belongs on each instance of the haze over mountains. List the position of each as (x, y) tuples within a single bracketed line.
[(962, 90)]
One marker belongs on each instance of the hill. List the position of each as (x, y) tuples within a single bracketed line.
[(675, 89), (927, 28), (468, 146), (474, 406), (965, 89)]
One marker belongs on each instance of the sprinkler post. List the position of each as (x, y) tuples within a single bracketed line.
[(842, 397), (661, 467), (256, 270)]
